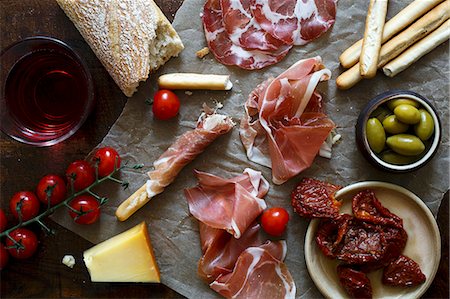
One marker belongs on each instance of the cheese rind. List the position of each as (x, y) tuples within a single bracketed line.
[(127, 257)]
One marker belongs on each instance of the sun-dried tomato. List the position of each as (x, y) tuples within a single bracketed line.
[(315, 199), (367, 207), (403, 272), (330, 233), (362, 243), (355, 282)]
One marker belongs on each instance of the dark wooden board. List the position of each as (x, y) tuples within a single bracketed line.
[(21, 167)]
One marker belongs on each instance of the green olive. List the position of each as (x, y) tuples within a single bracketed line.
[(407, 114), (393, 126), (375, 135), (425, 128), (405, 144), (397, 159), (394, 103), (381, 113)]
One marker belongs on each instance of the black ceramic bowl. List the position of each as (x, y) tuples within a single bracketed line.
[(375, 159)]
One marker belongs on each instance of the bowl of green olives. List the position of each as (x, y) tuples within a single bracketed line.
[(398, 131)]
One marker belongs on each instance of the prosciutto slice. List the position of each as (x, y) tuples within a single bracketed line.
[(210, 125), (257, 274), (283, 126), (229, 204), (294, 22), (225, 50)]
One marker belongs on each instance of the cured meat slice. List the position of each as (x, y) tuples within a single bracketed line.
[(315, 199), (230, 204), (226, 51), (243, 29), (295, 22), (257, 274), (277, 130), (186, 148), (221, 250), (403, 272), (355, 282), (367, 207)]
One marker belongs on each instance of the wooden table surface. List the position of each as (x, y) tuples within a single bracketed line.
[(21, 167)]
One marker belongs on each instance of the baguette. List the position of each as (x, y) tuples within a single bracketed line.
[(418, 50), (396, 24), (371, 45), (195, 81), (131, 38)]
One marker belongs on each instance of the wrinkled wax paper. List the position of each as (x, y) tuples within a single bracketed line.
[(140, 138)]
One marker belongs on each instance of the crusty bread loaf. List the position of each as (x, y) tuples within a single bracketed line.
[(130, 37)]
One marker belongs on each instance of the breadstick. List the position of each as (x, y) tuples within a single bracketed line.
[(418, 50), (195, 81), (371, 46), (415, 32), (390, 50), (397, 23), (349, 78)]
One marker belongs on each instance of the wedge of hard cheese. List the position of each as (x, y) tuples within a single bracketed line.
[(127, 257)]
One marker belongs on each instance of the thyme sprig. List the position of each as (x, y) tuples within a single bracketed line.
[(50, 209)]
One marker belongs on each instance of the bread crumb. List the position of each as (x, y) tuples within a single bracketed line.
[(202, 53), (68, 260), (189, 93)]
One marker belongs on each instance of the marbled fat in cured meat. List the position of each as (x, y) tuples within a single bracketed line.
[(257, 274), (226, 51), (279, 129), (243, 29), (229, 204), (295, 22)]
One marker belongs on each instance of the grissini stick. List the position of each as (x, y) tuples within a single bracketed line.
[(422, 27), (418, 50), (195, 81), (390, 50), (370, 50), (396, 24)]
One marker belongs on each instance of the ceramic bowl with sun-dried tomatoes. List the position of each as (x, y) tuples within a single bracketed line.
[(423, 243)]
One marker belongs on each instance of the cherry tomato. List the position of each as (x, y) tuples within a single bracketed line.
[(54, 183), (274, 221), (106, 158), (82, 174), (25, 237), (30, 205), (3, 220), (165, 104), (88, 204), (4, 257)]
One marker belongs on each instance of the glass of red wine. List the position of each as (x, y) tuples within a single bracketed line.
[(47, 91)]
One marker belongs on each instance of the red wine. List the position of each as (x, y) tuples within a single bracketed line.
[(47, 94)]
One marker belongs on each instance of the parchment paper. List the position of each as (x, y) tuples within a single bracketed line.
[(141, 139)]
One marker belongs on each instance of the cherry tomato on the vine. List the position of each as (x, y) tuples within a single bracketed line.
[(55, 186), (3, 220), (28, 240), (106, 157), (274, 221), (81, 173), (165, 104), (4, 256), (30, 205), (88, 206)]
